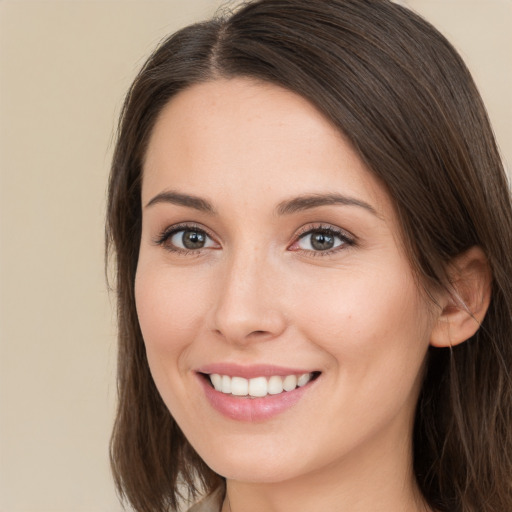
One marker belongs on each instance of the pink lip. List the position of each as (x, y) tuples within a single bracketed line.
[(252, 409), (250, 372)]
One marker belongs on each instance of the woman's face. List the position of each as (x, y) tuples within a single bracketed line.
[(269, 254)]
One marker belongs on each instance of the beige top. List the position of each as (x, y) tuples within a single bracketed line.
[(212, 503)]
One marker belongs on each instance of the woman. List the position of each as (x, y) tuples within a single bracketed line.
[(312, 231)]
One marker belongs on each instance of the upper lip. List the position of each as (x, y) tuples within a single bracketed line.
[(250, 371)]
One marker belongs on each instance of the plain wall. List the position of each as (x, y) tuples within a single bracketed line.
[(64, 67)]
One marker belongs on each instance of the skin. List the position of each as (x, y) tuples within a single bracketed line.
[(258, 293)]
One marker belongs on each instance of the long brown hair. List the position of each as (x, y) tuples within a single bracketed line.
[(403, 97)]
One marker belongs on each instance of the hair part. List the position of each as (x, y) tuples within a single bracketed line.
[(405, 100)]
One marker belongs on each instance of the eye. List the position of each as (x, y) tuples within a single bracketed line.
[(190, 239), (186, 238), (322, 239)]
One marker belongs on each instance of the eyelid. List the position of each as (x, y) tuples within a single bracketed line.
[(348, 240), (346, 237), (170, 231)]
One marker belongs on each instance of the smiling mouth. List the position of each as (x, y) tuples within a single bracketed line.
[(258, 387)]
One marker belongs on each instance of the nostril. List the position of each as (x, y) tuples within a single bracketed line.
[(243, 324)]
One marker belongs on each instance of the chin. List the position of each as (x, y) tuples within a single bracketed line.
[(255, 466), (254, 473)]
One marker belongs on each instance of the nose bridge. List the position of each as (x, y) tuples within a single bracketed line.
[(246, 307)]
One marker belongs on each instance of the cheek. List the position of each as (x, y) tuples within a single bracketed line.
[(169, 313), (169, 308), (376, 335), (368, 321)]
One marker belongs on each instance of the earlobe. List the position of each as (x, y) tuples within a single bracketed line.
[(465, 303)]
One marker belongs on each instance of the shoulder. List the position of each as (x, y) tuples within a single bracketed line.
[(211, 503)]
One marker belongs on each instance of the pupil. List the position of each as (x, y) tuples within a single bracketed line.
[(193, 239), (322, 241)]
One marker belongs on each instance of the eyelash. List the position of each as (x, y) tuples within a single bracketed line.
[(169, 232), (346, 239)]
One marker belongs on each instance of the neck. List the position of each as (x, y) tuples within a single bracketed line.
[(380, 479)]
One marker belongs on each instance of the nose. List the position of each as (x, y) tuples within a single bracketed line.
[(248, 301)]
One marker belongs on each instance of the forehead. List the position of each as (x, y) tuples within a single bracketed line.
[(241, 135)]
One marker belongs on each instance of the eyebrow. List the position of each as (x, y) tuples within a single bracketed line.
[(183, 200), (307, 202), (297, 204)]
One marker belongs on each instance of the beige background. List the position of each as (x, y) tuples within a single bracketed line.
[(64, 66)]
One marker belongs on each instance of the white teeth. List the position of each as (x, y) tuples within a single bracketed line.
[(226, 384), (258, 386), (239, 386), (303, 379), (290, 382), (216, 381), (275, 385)]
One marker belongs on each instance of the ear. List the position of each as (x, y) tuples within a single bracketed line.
[(465, 302)]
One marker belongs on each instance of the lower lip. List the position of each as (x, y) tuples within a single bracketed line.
[(252, 409)]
